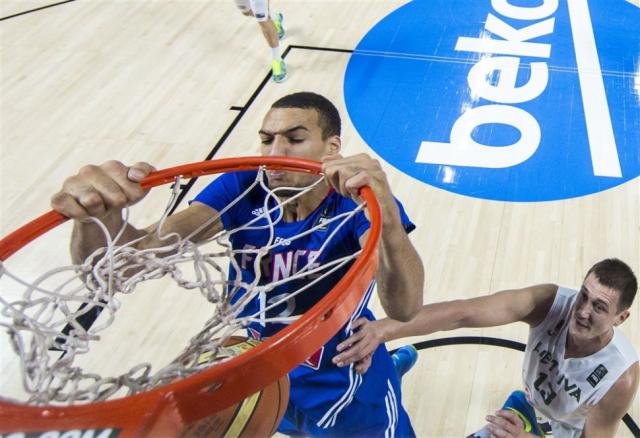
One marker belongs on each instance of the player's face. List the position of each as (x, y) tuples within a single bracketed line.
[(596, 311), (294, 132)]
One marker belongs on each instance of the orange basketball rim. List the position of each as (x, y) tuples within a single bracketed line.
[(164, 411)]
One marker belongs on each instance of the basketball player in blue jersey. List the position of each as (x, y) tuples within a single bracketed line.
[(272, 29), (580, 372), (325, 400)]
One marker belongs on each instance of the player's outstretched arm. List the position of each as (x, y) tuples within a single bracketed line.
[(605, 417), (102, 192), (400, 273), (530, 305)]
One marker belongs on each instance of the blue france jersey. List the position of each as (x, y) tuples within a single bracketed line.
[(318, 372)]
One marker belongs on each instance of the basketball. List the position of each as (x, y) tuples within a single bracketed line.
[(256, 416)]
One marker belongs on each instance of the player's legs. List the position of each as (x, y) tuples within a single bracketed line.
[(517, 403), (272, 30), (385, 419), (374, 410), (278, 21), (245, 7), (291, 424)]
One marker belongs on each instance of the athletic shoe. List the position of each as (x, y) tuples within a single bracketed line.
[(278, 21), (517, 403), (404, 359), (278, 70)]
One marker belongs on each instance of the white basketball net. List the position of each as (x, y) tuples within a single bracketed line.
[(35, 323)]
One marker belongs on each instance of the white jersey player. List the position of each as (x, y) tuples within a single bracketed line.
[(579, 371)]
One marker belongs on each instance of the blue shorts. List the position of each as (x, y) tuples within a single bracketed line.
[(375, 409), (358, 420)]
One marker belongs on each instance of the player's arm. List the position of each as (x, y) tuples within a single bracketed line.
[(400, 274), (530, 305), (605, 417), (102, 192)]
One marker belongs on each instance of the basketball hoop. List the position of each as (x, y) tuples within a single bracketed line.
[(167, 409)]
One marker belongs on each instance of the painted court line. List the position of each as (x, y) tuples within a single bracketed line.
[(604, 153)]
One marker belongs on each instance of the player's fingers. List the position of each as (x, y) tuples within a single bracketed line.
[(358, 351), (121, 184), (68, 206), (356, 182), (362, 329), (501, 423), (497, 431), (509, 416), (359, 323), (83, 189), (350, 341), (352, 354), (97, 189), (337, 170), (348, 175), (338, 176), (512, 423), (331, 174), (139, 171), (128, 179), (363, 365)]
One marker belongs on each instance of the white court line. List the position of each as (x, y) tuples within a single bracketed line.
[(604, 153)]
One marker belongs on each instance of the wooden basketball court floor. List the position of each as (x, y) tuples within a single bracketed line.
[(177, 81)]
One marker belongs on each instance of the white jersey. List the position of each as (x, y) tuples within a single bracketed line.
[(564, 390)]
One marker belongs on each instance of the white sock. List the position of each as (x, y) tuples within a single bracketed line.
[(273, 14), (275, 53)]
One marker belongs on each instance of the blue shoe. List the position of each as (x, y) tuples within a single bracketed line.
[(404, 359), (278, 71), (517, 403), (278, 22)]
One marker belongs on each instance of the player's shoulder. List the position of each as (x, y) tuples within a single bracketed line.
[(616, 402), (623, 347), (624, 389), (556, 298), (630, 379), (544, 302)]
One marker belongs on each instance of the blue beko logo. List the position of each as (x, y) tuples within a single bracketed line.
[(503, 99)]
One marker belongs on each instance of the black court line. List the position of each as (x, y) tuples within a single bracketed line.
[(322, 49), (497, 342), (37, 9)]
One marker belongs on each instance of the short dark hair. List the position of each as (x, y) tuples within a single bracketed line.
[(617, 275), (328, 116)]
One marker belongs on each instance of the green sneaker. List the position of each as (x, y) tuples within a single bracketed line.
[(279, 26), (278, 71)]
